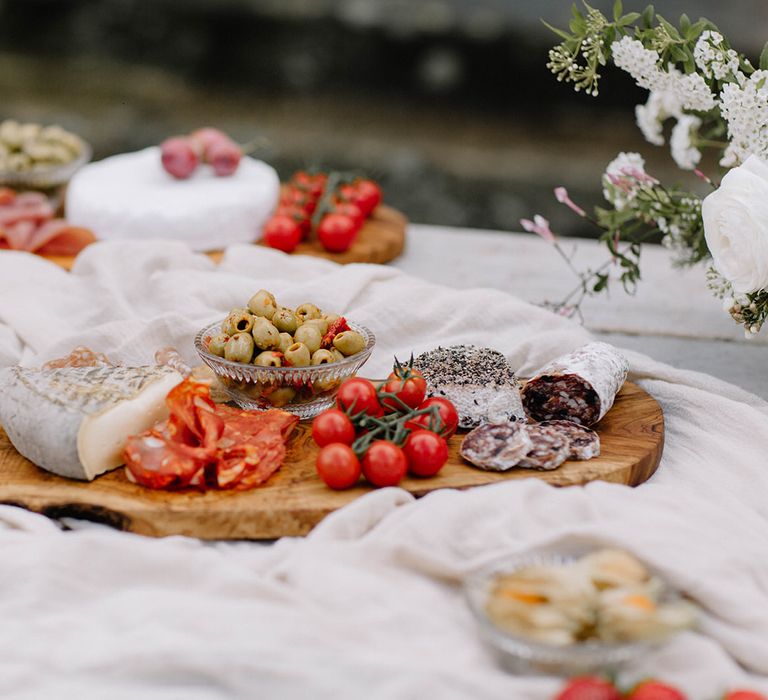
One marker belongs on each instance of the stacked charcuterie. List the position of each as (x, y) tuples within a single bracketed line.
[(27, 223), (567, 396)]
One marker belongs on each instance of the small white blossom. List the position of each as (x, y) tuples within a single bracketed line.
[(684, 152), (713, 58), (745, 109), (652, 115), (642, 64)]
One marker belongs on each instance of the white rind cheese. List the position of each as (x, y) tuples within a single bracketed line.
[(130, 196), (74, 421)]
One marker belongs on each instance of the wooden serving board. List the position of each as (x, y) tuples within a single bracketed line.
[(294, 500), (380, 240)]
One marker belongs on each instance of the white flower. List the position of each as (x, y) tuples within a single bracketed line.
[(685, 154), (713, 58), (652, 115), (745, 109), (683, 91), (736, 226), (642, 64)]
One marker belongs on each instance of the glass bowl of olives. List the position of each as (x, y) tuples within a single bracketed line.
[(269, 356), (39, 157)]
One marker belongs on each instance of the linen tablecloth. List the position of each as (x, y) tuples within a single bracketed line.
[(370, 603)]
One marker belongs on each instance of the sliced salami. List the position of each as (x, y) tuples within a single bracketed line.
[(583, 442), (550, 448), (496, 447), (580, 387)]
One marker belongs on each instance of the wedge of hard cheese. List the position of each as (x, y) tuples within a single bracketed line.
[(74, 421)]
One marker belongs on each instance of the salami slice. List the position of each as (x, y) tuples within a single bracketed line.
[(580, 387), (496, 447), (205, 445), (550, 448), (583, 442)]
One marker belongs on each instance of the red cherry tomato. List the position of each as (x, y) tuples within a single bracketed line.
[(298, 215), (179, 157), (368, 196), (384, 464), (298, 198), (448, 414), (744, 695), (338, 466), (351, 210), (337, 232), (312, 183), (655, 690), (588, 688), (359, 395), (282, 232), (426, 451), (410, 391), (333, 425)]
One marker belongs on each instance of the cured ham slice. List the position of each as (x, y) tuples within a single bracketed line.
[(27, 223), (204, 445)]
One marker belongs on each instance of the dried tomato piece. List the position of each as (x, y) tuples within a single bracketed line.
[(338, 326)]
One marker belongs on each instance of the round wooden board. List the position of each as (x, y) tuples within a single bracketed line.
[(294, 500), (381, 240)]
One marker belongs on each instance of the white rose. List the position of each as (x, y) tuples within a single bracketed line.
[(736, 226)]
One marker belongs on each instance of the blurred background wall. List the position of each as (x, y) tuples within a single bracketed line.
[(447, 102)]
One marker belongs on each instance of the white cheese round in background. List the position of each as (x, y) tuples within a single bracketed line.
[(130, 196)]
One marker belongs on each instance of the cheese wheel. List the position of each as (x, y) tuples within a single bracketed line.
[(130, 196)]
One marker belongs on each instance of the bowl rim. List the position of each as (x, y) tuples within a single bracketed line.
[(475, 588), (346, 362), (61, 169)]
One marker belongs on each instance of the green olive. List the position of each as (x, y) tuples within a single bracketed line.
[(262, 304), (337, 356), (320, 323), (239, 348), (282, 396), (330, 318), (310, 336), (268, 359), (285, 320), (286, 340), (237, 321), (307, 312), (265, 335), (217, 344), (298, 355), (349, 343), (322, 357)]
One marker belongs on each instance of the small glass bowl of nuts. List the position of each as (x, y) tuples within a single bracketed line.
[(270, 356), (39, 157)]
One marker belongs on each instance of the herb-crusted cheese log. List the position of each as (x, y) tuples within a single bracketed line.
[(478, 381), (74, 421), (579, 387)]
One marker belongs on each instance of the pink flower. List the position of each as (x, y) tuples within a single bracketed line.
[(539, 226), (561, 194)]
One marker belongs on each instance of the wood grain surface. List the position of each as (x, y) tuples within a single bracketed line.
[(294, 500), (381, 240)]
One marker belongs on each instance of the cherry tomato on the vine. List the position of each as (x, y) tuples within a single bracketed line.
[(410, 391), (337, 232), (384, 464), (299, 198), (426, 451), (448, 414), (312, 183), (282, 232), (351, 210), (338, 466), (333, 425), (359, 395), (368, 195), (299, 215)]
